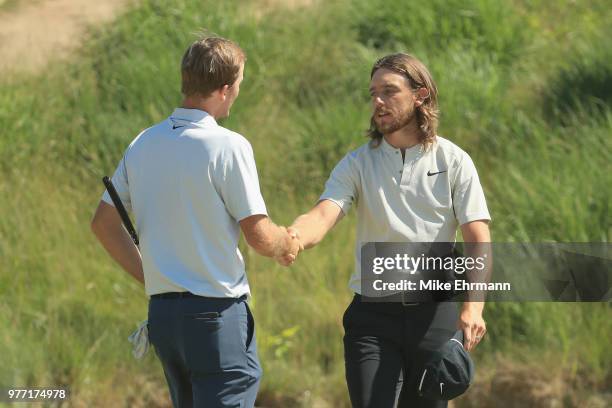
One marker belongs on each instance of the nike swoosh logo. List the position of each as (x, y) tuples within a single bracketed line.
[(176, 127), (429, 173), (441, 391)]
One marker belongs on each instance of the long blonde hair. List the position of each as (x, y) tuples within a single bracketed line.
[(418, 77)]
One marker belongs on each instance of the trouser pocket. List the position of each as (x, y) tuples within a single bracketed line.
[(250, 327), (215, 341), (346, 318)]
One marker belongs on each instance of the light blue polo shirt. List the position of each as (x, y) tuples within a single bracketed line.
[(188, 182)]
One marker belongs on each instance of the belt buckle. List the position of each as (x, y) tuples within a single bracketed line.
[(405, 303)]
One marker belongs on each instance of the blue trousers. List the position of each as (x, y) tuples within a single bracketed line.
[(207, 349)]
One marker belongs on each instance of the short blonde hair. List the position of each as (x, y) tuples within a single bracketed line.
[(209, 64)]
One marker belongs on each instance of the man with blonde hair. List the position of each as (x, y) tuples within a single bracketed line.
[(192, 186), (409, 185)]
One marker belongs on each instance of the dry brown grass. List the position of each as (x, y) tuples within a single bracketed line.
[(511, 384)]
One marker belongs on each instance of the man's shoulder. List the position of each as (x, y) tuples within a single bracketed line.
[(215, 139), (233, 141), (142, 135), (351, 160), (448, 149), (220, 138), (361, 152)]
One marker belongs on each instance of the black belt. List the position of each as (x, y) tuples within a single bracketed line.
[(174, 295), (398, 298), (405, 298), (179, 295)]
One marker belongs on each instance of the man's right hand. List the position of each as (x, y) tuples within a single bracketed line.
[(292, 247), (313, 225)]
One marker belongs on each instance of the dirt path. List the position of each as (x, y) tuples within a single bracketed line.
[(35, 32)]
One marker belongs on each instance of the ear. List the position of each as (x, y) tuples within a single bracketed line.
[(222, 92), (420, 96)]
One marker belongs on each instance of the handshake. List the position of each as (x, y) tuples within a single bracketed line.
[(289, 246)]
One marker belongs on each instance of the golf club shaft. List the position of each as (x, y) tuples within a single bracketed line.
[(120, 208)]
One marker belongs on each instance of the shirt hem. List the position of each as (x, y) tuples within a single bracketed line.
[(251, 212), (344, 206), (474, 217)]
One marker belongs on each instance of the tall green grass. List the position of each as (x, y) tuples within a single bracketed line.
[(504, 77)]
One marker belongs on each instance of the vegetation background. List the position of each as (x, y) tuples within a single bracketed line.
[(525, 88)]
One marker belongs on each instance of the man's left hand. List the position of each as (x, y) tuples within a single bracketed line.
[(472, 324)]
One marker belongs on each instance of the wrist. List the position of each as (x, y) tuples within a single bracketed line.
[(293, 231), (283, 244), (472, 307)]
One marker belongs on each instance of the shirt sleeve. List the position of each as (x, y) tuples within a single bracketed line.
[(468, 197), (120, 181), (341, 187), (239, 187)]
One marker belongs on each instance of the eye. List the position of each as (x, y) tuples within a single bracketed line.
[(389, 91)]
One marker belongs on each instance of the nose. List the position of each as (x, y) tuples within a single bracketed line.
[(377, 101)]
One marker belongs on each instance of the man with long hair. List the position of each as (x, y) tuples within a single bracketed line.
[(408, 185)]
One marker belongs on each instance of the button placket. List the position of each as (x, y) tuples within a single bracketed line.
[(409, 167), (401, 167)]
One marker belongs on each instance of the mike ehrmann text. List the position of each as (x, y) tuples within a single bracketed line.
[(458, 285)]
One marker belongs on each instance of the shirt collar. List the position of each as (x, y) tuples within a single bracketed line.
[(195, 116), (412, 152)]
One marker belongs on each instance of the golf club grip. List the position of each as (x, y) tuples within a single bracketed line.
[(120, 208)]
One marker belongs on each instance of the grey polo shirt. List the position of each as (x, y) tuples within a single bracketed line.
[(423, 198), (189, 181)]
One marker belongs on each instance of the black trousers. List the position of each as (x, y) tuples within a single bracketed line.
[(385, 345)]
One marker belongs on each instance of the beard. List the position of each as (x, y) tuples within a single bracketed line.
[(393, 122)]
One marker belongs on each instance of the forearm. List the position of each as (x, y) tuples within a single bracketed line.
[(121, 248), (480, 251), (268, 239), (274, 244), (477, 240), (311, 229), (473, 307)]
